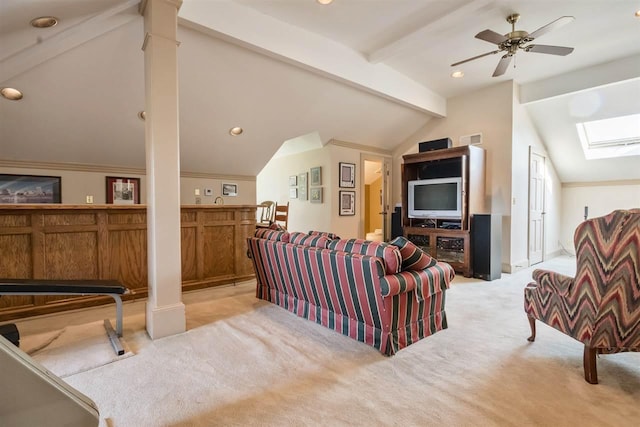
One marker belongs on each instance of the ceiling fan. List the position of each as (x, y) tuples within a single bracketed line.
[(511, 42)]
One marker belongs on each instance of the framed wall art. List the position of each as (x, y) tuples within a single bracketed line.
[(230, 190), (347, 203), (293, 193), (315, 195), (123, 191), (30, 189), (293, 180), (316, 176), (302, 186), (347, 178)]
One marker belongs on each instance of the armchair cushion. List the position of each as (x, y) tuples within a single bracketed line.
[(550, 281)]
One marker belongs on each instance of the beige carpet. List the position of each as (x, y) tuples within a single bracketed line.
[(245, 362), (73, 349)]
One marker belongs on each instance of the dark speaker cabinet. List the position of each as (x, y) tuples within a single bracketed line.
[(486, 241)]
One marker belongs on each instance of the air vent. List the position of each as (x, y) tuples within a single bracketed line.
[(474, 139)]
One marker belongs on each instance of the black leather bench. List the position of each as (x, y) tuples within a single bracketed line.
[(112, 288)]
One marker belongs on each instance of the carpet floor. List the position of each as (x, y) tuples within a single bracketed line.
[(246, 362)]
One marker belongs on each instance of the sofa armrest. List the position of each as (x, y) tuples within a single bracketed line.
[(424, 282), (551, 281)]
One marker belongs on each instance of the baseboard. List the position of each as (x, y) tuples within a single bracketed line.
[(514, 268)]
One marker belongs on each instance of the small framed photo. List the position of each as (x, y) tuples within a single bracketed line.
[(316, 176), (315, 195), (347, 203), (123, 191), (230, 190), (347, 178), (293, 180), (302, 186), (293, 193), (30, 189)]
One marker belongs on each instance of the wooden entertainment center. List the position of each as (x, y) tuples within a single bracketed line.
[(447, 239)]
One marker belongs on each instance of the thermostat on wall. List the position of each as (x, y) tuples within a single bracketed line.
[(208, 192)]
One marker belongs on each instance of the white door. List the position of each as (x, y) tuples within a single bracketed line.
[(536, 207)]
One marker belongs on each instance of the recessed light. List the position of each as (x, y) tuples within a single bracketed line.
[(142, 115), (235, 131), (457, 74), (44, 22), (324, 2), (638, 13), (11, 93)]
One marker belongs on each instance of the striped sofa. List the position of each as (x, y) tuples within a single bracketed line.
[(385, 295), (600, 306)]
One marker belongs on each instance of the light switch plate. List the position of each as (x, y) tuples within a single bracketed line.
[(197, 192)]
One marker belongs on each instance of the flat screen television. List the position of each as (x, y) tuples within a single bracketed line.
[(435, 198)]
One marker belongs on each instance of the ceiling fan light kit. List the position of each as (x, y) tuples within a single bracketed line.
[(518, 39)]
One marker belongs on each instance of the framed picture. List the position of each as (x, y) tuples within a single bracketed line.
[(302, 186), (230, 190), (347, 178), (30, 189), (316, 176), (315, 195), (347, 203), (123, 191), (293, 180), (293, 193)]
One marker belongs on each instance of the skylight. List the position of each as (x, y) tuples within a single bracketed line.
[(614, 137)]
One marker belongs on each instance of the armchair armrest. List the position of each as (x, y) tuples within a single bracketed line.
[(425, 282), (550, 281)]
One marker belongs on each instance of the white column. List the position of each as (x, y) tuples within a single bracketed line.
[(165, 310)]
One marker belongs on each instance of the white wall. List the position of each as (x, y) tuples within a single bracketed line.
[(246, 190), (601, 198), (273, 184), (525, 136), (77, 184), (487, 111)]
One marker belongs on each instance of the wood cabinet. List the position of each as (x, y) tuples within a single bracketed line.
[(110, 242), (435, 235)]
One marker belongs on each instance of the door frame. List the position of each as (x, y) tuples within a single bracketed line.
[(386, 163), (541, 153)]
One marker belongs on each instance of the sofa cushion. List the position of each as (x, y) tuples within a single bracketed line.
[(330, 236), (389, 253), (413, 258), (314, 240), (278, 236)]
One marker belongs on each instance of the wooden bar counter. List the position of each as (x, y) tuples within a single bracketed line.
[(110, 242)]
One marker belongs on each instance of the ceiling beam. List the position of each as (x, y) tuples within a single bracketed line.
[(43, 50), (244, 26), (432, 30), (587, 78)]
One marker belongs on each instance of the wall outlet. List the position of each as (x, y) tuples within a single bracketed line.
[(197, 192), (89, 199), (198, 201)]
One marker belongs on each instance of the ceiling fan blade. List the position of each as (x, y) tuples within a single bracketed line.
[(564, 20), (491, 37), (502, 65), (475, 57), (552, 50)]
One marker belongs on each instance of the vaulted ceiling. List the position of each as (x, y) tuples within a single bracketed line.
[(366, 72)]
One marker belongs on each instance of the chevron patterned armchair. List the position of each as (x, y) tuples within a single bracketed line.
[(600, 306)]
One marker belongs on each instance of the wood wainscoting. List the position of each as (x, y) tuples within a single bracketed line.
[(110, 242)]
